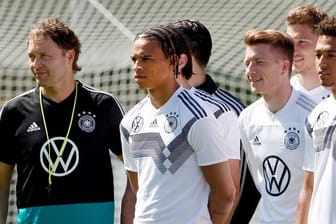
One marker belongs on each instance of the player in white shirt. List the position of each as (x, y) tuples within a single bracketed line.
[(173, 150), (228, 121), (301, 26), (317, 94), (318, 192), (247, 196), (272, 128)]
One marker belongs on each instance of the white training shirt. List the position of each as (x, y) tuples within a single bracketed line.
[(322, 127), (166, 147), (317, 94), (274, 144), (227, 119)]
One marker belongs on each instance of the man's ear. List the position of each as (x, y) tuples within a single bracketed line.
[(286, 66), (70, 55), (182, 61)]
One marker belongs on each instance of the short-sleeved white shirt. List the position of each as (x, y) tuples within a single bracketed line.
[(274, 144), (167, 147), (322, 127), (227, 118), (317, 94)]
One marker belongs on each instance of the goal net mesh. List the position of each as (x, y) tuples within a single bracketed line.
[(106, 29)]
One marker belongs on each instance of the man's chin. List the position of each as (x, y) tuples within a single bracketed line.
[(297, 70), (255, 90), (140, 86), (327, 84)]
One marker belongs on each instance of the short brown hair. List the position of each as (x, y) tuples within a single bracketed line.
[(277, 39), (60, 33), (307, 15)]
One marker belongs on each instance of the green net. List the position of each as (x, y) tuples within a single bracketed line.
[(106, 29)]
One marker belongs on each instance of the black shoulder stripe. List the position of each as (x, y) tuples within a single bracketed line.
[(192, 105), (231, 100), (206, 97)]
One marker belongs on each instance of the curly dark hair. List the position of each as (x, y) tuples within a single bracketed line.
[(327, 27)]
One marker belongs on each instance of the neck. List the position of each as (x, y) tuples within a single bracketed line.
[(160, 96), (198, 77), (333, 91), (58, 93), (183, 82), (278, 100), (309, 80)]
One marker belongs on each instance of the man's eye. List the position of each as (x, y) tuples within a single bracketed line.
[(302, 42), (45, 57)]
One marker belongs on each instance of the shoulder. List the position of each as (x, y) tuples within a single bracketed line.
[(212, 101), (230, 99), (323, 107), (321, 115), (252, 108), (24, 99), (96, 93), (193, 104), (101, 97), (303, 101), (136, 110)]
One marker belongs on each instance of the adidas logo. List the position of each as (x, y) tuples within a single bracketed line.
[(256, 141), (33, 127), (153, 124)]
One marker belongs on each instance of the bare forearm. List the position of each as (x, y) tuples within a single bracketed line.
[(303, 208), (221, 210), (128, 205), (304, 198), (235, 174), (222, 191), (234, 205)]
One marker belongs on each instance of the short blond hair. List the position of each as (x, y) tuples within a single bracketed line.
[(279, 40)]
